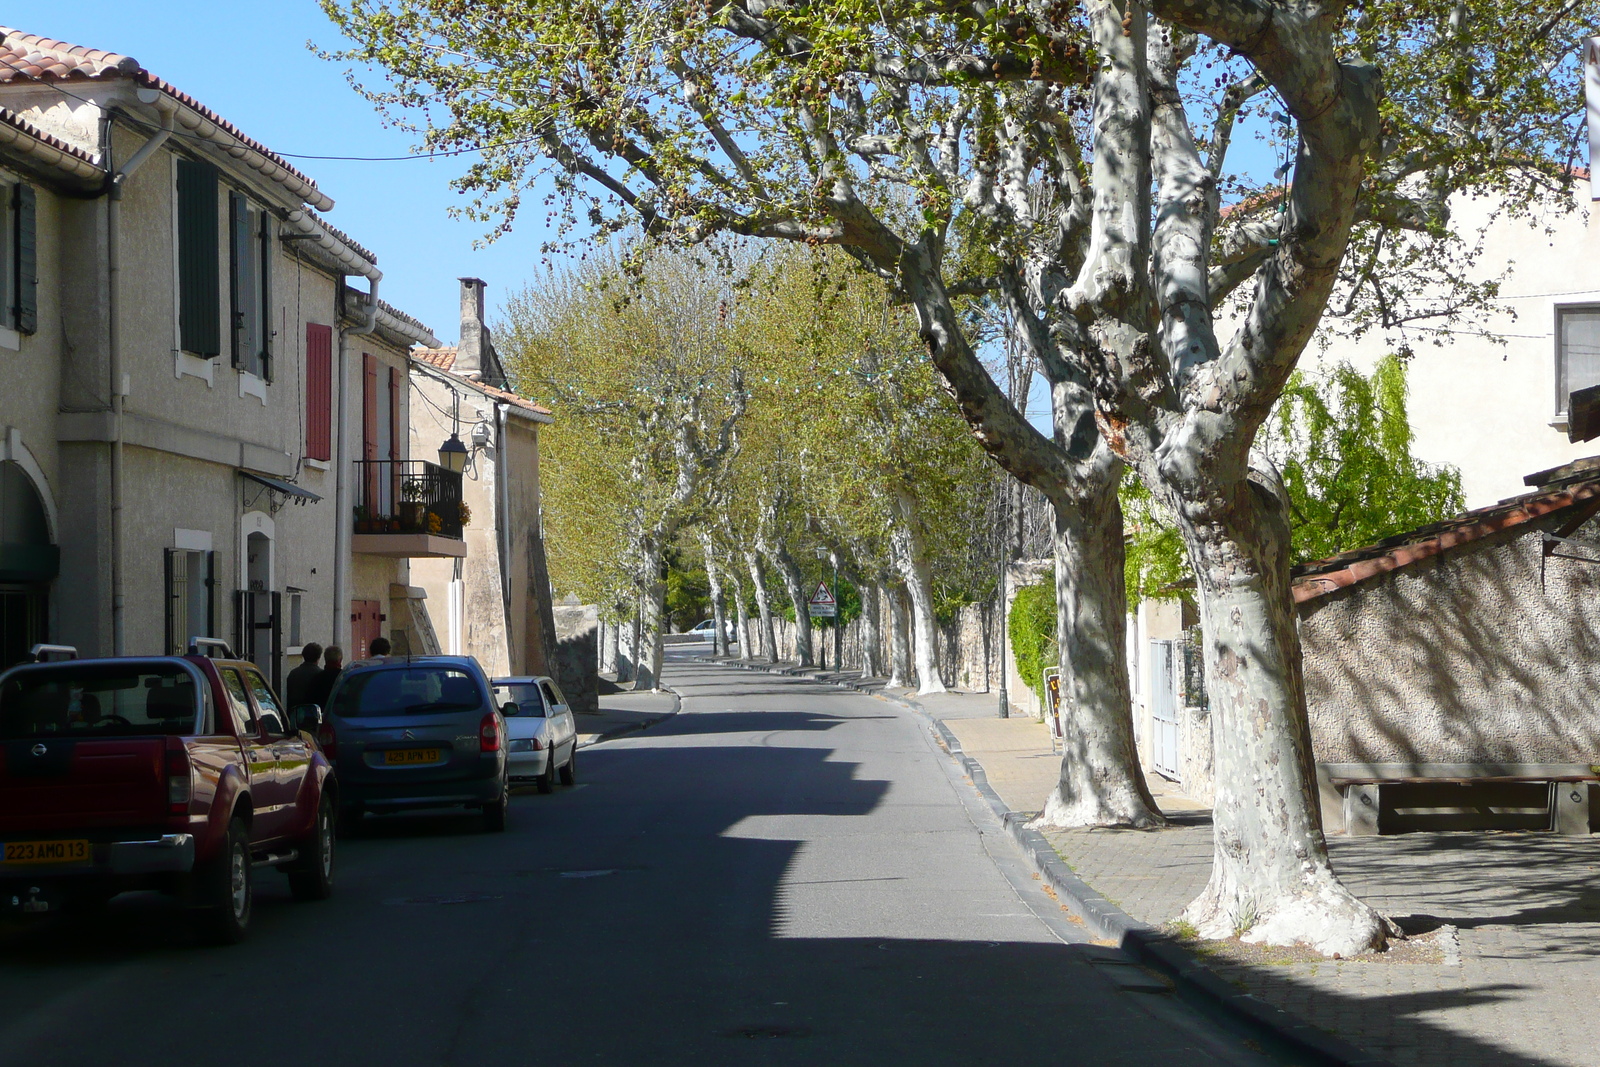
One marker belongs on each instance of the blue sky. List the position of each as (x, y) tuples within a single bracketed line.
[(249, 62)]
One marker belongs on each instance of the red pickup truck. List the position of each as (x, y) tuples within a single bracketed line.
[(177, 773)]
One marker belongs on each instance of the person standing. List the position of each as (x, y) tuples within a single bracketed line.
[(298, 686), (332, 667)]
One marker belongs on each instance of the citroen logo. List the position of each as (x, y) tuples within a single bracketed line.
[(405, 735), (39, 750)]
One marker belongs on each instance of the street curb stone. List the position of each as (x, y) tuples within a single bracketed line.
[(1145, 943), (628, 728)]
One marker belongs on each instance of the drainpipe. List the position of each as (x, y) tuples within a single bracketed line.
[(502, 521), (119, 385), (343, 508)]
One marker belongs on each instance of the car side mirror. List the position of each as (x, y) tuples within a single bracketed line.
[(307, 717), (510, 708)]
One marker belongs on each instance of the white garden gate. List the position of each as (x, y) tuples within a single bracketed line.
[(1166, 659)]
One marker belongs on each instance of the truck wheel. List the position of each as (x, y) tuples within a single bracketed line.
[(312, 875), (569, 773), (494, 812), (225, 895)]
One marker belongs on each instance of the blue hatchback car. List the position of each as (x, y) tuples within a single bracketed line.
[(416, 732)]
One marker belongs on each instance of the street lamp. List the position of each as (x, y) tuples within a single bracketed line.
[(453, 454)]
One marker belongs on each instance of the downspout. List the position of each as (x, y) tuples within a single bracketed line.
[(343, 508), (118, 382)]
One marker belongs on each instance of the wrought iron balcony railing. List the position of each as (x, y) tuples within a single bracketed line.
[(408, 496)]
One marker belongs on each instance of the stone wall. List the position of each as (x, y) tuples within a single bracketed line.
[(577, 655), (1489, 651)]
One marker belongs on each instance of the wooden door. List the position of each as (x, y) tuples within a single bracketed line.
[(366, 625)]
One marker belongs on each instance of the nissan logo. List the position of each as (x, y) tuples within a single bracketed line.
[(39, 750)]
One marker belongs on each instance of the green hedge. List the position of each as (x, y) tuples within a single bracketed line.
[(1032, 625)]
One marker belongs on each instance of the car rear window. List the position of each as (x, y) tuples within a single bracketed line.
[(405, 691), (105, 700), (526, 697)]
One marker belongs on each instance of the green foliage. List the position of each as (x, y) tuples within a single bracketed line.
[(1342, 443), (1032, 627), (688, 597), (1343, 446)]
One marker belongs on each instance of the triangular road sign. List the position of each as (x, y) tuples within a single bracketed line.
[(822, 596)]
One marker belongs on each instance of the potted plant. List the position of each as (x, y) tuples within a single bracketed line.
[(466, 513), (412, 490), (363, 519)]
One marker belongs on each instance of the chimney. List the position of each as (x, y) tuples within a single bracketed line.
[(474, 334)]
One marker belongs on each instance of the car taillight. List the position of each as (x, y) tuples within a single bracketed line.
[(180, 784), (328, 740), (536, 745), (489, 733)]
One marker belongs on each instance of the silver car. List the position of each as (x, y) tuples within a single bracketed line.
[(543, 738)]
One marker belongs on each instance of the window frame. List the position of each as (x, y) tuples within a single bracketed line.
[(1562, 393)]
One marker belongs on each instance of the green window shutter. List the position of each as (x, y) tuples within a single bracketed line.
[(199, 288), (238, 248), (265, 273), (25, 265)]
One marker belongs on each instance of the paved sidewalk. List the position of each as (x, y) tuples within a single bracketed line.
[(1508, 970), (622, 713)]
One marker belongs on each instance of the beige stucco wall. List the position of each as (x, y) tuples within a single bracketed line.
[(1487, 652), (1484, 407)]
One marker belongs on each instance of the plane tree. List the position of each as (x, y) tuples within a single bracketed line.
[(1071, 157)]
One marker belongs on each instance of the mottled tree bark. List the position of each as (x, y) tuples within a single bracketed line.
[(767, 633), (912, 559), (871, 637), (900, 676), (795, 584), (719, 641)]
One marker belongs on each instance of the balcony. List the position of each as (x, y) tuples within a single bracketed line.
[(407, 507)]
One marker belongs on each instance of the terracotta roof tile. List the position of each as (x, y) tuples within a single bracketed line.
[(51, 142), (36, 58), (1321, 577), (445, 358)]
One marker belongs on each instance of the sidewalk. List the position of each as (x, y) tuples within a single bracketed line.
[(1505, 967), (622, 713)]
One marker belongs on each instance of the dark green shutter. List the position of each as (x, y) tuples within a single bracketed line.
[(25, 265), (199, 288), (171, 648), (266, 294), (238, 248)]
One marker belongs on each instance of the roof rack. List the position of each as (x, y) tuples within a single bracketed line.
[(211, 648), (39, 652)]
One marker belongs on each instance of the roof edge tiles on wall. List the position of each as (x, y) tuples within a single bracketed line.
[(42, 59), (442, 359), (45, 149), (1322, 577)]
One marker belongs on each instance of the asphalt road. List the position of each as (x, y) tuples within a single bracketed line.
[(779, 874)]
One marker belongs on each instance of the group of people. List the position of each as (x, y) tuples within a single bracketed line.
[(311, 683)]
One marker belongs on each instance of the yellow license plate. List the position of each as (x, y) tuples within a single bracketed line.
[(404, 756), (47, 852)]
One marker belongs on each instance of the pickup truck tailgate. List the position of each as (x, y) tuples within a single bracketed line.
[(79, 783)]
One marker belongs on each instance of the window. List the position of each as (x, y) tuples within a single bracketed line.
[(199, 292), (405, 691), (272, 717), (319, 391), (1577, 352), (243, 718), (527, 698), (19, 267), (249, 285), (191, 581), (72, 700), (552, 695), (296, 614)]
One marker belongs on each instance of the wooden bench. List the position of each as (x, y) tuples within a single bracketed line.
[(1364, 799)]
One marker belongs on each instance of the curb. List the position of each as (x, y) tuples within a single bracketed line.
[(1146, 944), (628, 728)]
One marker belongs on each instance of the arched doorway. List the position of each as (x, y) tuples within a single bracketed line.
[(29, 562)]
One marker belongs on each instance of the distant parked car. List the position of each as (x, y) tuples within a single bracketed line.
[(177, 773), (417, 732), (708, 629), (543, 735)]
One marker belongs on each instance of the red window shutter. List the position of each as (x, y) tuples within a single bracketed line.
[(395, 450), (319, 391), (369, 407)]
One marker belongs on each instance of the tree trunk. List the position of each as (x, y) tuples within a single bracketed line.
[(719, 640), (652, 611), (871, 659), (768, 635), (912, 558), (608, 648), (1270, 878), (1100, 782), (741, 617), (900, 676), (795, 583)]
